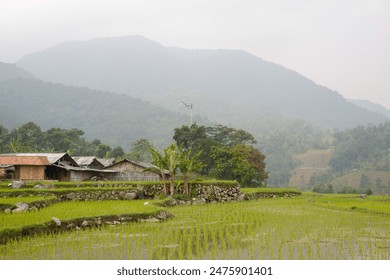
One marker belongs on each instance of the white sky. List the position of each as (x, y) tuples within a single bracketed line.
[(341, 44)]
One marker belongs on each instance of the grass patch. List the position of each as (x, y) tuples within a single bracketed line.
[(74, 210), (270, 190), (375, 204)]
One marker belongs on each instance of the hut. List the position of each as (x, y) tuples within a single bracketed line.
[(39, 166), (129, 170), (25, 167)]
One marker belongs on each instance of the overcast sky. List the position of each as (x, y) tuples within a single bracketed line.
[(341, 44)]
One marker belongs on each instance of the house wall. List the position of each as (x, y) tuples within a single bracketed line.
[(127, 166), (77, 176), (131, 172), (28, 172), (3, 173)]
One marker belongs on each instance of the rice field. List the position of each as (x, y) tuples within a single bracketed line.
[(310, 227)]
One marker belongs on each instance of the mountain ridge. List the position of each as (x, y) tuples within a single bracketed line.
[(228, 86)]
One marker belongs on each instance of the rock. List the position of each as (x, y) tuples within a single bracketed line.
[(146, 203), (22, 206), (162, 216), (56, 221), (71, 196), (18, 185), (70, 226), (241, 197), (7, 211), (130, 196), (85, 223)]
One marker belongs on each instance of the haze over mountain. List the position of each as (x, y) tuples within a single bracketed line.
[(11, 71), (113, 118), (371, 106), (228, 86)]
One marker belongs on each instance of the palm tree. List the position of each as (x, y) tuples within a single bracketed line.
[(188, 165), (172, 157), (160, 164)]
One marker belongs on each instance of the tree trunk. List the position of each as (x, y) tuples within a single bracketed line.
[(172, 188), (186, 184)]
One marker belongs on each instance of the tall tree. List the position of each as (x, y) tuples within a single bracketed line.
[(140, 150)]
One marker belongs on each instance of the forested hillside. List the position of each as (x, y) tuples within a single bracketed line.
[(115, 119), (11, 71)]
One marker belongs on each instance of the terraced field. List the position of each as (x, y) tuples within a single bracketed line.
[(308, 226)]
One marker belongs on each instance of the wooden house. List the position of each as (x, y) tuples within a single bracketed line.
[(57, 162), (129, 170), (26, 167), (63, 167)]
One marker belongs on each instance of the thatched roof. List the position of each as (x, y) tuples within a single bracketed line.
[(24, 160)]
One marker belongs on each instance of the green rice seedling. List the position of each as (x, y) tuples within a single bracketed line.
[(262, 229)]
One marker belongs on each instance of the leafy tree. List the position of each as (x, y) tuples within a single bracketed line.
[(26, 138), (3, 138), (187, 165), (241, 162), (208, 140), (103, 151), (140, 150), (364, 182), (323, 188), (117, 152)]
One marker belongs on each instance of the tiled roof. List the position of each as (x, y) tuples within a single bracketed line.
[(24, 160)]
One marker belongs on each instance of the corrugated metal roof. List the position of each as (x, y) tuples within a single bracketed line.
[(106, 161), (84, 160), (24, 160)]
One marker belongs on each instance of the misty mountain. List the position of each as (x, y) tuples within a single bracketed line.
[(371, 106), (114, 118), (11, 71), (228, 86)]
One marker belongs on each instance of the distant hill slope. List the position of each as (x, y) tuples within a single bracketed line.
[(11, 71), (228, 86), (115, 119), (371, 106)]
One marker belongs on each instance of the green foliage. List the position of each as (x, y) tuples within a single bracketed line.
[(364, 182), (30, 138), (359, 145), (324, 188), (226, 153), (140, 150), (242, 163)]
